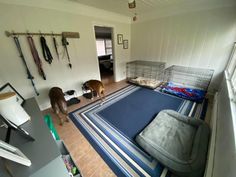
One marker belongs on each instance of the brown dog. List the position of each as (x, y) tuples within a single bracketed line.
[(58, 103), (95, 85)]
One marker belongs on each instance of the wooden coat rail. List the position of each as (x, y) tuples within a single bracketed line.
[(64, 34)]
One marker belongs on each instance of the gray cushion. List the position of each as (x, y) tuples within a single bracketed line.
[(177, 141)]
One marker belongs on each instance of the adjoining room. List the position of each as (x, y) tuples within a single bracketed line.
[(104, 44)]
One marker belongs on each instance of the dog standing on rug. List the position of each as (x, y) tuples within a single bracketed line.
[(58, 103), (97, 86)]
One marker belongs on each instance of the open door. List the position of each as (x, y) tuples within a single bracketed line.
[(104, 44)]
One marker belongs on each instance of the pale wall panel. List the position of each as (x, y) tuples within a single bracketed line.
[(198, 39), (225, 154)]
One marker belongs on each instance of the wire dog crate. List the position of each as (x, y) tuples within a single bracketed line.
[(146, 69), (189, 76)]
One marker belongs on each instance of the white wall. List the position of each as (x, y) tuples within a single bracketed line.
[(224, 160), (198, 39), (82, 51)]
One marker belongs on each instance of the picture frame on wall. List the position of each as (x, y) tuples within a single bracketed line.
[(9, 88), (125, 44), (119, 39)]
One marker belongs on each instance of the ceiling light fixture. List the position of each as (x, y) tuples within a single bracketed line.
[(132, 4)]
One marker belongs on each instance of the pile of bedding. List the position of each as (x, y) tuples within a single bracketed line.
[(192, 94), (182, 91), (146, 82)]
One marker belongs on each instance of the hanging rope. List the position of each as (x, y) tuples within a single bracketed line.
[(35, 55), (29, 75), (55, 46), (46, 52), (65, 43)]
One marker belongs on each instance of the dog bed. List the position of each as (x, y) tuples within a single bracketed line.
[(146, 82), (192, 94), (178, 142)]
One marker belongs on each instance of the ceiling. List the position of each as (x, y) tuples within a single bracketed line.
[(146, 6)]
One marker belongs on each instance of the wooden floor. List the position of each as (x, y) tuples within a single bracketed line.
[(107, 78), (87, 159)]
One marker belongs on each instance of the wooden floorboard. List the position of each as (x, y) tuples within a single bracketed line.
[(86, 158)]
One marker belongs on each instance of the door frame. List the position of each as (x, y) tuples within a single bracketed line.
[(100, 24)]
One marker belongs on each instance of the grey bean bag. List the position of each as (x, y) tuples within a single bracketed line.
[(178, 142)]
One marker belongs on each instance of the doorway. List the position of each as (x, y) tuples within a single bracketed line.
[(105, 54)]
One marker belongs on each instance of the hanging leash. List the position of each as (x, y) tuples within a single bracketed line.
[(55, 46), (66, 35), (46, 52), (65, 43), (29, 75), (35, 55)]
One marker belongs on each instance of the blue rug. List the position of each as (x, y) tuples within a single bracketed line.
[(140, 107), (112, 127)]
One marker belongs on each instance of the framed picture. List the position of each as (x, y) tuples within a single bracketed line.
[(119, 39), (125, 44), (9, 88), (12, 153)]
